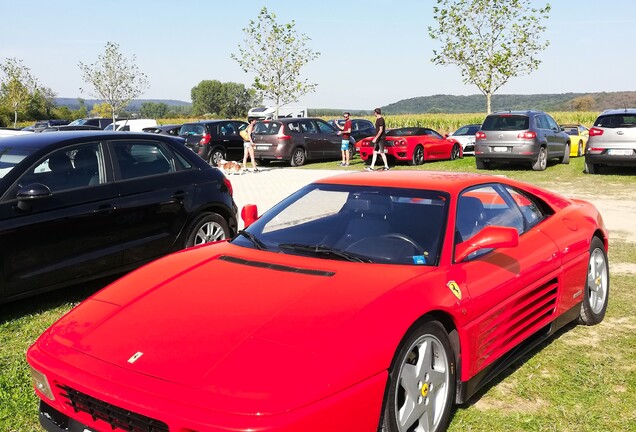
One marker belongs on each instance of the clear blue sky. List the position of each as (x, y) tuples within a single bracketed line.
[(373, 52)]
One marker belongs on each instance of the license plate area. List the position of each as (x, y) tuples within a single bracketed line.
[(262, 147), (620, 152), (500, 149)]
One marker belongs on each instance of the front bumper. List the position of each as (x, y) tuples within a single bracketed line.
[(171, 407)]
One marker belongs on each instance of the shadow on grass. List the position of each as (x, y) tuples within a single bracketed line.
[(514, 366), (50, 300)]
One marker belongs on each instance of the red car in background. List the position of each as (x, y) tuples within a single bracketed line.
[(414, 145)]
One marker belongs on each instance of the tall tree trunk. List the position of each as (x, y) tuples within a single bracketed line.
[(488, 103)]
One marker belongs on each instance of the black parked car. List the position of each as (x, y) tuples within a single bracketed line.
[(171, 129), (70, 128), (297, 140), (360, 128), (40, 125), (215, 139), (78, 205)]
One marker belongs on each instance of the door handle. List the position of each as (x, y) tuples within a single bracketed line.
[(105, 209), (180, 195)]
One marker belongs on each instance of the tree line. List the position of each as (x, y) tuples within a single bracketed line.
[(500, 41)]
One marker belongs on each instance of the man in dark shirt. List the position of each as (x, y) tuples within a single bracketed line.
[(378, 141)]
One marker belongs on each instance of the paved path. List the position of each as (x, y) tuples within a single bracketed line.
[(269, 186)]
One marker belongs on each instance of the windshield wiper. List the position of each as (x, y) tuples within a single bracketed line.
[(323, 251), (259, 244)]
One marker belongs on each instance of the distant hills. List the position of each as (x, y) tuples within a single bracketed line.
[(73, 103), (477, 103)]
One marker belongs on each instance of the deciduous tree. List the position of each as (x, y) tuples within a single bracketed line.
[(17, 85), (114, 79), (490, 41), (275, 53)]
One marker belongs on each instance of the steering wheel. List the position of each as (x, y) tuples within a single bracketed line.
[(404, 238)]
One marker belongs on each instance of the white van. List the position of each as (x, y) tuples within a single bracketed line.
[(134, 125), (267, 112)]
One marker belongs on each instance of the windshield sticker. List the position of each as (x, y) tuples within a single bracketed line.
[(419, 259)]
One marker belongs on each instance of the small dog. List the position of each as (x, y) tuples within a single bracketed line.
[(230, 167)]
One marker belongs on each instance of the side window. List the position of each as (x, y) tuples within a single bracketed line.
[(543, 122), (483, 206), (552, 124), (141, 159), (228, 129), (294, 127), (68, 168), (308, 126), (532, 213), (325, 128)]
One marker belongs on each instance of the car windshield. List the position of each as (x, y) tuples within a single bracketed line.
[(10, 156), (354, 223), (623, 120), (77, 122), (504, 122)]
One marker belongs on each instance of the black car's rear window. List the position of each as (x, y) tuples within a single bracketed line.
[(266, 128), (506, 122), (192, 129), (616, 121)]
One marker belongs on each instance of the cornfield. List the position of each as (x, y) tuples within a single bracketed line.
[(447, 123)]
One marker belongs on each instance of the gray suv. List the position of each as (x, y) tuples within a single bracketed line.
[(521, 136), (612, 140)]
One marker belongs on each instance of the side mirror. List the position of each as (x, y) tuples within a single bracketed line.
[(30, 192), (489, 237), (249, 214)]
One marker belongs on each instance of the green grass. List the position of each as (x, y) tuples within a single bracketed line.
[(556, 174)]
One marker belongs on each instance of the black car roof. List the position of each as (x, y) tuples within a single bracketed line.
[(40, 140)]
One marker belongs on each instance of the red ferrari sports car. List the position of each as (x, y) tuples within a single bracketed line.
[(361, 302), (415, 145)]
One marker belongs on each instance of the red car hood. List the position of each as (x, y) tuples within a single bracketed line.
[(245, 325)]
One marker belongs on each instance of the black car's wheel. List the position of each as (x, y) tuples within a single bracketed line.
[(418, 156), (421, 383), (591, 168), (216, 156), (566, 155), (206, 228), (455, 152), (541, 162), (597, 285), (481, 164), (579, 149), (298, 157)]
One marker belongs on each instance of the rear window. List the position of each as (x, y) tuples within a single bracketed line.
[(192, 129), (267, 128), (623, 120), (508, 122)]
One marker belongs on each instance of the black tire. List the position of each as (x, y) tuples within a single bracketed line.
[(418, 156), (566, 155), (455, 152), (215, 156), (206, 228), (481, 164), (597, 285), (541, 162), (298, 157), (591, 168), (431, 388)]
